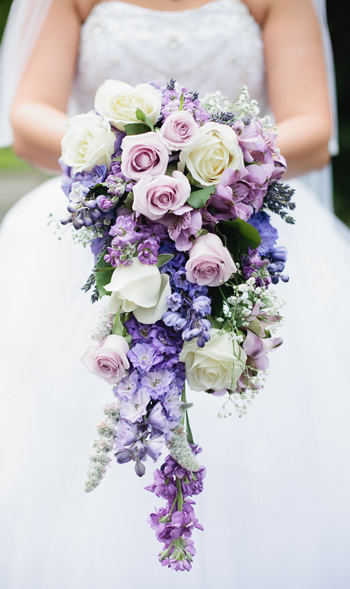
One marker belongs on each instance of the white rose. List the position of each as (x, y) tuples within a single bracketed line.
[(139, 288), (118, 102), (215, 150), (217, 366), (88, 142)]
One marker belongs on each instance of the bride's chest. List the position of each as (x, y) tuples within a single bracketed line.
[(217, 46)]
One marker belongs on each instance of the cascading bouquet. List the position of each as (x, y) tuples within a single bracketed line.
[(171, 193)]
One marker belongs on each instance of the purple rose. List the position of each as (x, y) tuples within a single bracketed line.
[(144, 154), (210, 262), (154, 197), (108, 358), (179, 129)]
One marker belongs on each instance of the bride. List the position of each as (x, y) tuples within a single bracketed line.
[(276, 503)]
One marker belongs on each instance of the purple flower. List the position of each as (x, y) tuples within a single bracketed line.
[(127, 386), (158, 421), (123, 231), (174, 302), (148, 251), (144, 357), (183, 229), (157, 383), (268, 233), (133, 409), (104, 203)]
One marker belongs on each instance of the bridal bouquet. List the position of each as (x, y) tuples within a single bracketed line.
[(171, 192)]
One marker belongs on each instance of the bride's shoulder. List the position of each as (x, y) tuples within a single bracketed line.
[(263, 9)]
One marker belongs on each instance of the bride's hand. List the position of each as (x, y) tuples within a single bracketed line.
[(296, 81)]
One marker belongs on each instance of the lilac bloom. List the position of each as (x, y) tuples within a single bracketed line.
[(134, 409), (127, 386), (154, 446), (157, 383), (144, 357), (157, 419), (126, 434), (172, 404), (123, 231), (148, 251), (185, 228)]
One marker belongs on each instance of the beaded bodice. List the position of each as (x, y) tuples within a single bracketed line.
[(217, 46)]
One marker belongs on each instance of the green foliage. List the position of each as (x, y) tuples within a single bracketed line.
[(199, 198), (142, 117), (163, 259), (103, 274), (136, 128), (238, 236)]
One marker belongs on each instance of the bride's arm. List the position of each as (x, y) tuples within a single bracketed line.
[(38, 115), (297, 83)]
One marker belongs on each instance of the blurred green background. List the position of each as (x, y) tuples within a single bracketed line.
[(26, 178)]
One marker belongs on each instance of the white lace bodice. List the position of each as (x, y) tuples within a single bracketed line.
[(217, 46)]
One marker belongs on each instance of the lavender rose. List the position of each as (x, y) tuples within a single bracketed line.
[(210, 262), (108, 358), (144, 154), (179, 130), (154, 197)]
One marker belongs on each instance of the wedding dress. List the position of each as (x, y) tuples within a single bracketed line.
[(275, 508)]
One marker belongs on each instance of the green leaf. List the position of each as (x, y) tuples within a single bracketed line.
[(103, 275), (136, 128), (181, 105), (218, 297), (118, 327), (142, 117), (199, 198), (163, 259), (239, 235), (129, 200)]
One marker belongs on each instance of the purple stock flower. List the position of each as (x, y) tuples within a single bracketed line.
[(123, 231), (148, 251)]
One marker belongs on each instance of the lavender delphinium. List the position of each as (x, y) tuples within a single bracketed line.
[(150, 395)]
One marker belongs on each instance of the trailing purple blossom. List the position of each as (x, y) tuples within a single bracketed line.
[(175, 523)]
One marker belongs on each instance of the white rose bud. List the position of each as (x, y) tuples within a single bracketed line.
[(217, 366), (215, 150), (88, 142), (139, 288), (118, 102)]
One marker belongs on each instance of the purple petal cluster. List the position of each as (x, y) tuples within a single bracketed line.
[(150, 395), (171, 102), (276, 256), (174, 523), (188, 304)]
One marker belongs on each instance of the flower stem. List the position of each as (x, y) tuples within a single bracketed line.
[(180, 500)]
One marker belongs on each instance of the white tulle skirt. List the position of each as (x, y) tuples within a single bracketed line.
[(275, 509)]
